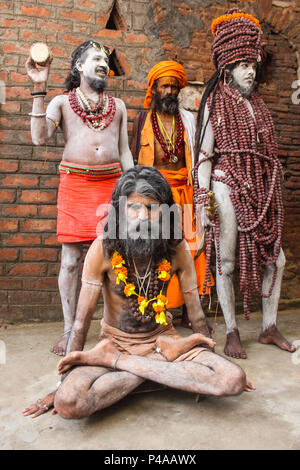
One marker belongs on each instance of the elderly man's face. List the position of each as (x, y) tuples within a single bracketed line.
[(167, 86), (143, 215), (165, 95), (243, 76)]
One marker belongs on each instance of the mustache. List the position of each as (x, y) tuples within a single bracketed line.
[(168, 104), (102, 69), (143, 230)]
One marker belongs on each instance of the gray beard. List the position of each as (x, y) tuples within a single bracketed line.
[(244, 90), (141, 248), (97, 84), (166, 105)]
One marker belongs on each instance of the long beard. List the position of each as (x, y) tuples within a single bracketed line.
[(244, 90), (144, 241), (97, 84), (168, 104)]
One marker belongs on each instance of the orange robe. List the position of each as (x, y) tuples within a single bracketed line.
[(182, 189)]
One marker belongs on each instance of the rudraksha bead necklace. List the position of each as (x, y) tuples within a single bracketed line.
[(246, 151), (96, 117), (170, 154)]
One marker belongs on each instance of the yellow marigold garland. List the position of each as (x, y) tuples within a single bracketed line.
[(232, 16), (159, 303)]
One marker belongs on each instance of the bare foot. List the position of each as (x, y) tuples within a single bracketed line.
[(172, 348), (272, 336), (40, 406), (60, 347), (103, 354), (233, 347), (70, 360)]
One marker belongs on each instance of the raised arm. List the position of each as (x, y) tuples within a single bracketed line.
[(92, 279), (43, 125), (188, 284), (126, 159)]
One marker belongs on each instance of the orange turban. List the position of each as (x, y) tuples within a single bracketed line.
[(166, 68)]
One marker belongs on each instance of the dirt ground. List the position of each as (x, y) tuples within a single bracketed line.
[(268, 418)]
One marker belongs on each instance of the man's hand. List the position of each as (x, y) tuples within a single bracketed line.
[(41, 406), (38, 75), (249, 387)]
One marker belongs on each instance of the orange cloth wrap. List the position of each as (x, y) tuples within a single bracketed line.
[(144, 344), (183, 195), (166, 68), (82, 192)]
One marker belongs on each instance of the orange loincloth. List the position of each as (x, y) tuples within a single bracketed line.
[(83, 200), (144, 344), (183, 196)]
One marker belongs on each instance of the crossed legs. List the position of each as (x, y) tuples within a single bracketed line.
[(91, 388)]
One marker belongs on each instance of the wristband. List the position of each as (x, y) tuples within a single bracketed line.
[(38, 93)]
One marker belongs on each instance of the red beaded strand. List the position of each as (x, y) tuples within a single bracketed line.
[(89, 116), (246, 151), (179, 136)]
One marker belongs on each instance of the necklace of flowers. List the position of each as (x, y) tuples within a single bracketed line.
[(159, 302), (173, 154), (98, 117)]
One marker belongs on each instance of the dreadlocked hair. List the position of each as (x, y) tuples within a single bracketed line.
[(212, 86)]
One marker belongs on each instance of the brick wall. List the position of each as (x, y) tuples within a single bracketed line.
[(141, 32)]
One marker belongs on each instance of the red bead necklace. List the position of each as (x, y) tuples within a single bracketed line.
[(171, 155), (98, 117)]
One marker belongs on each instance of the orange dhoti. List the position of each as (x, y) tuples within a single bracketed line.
[(183, 196), (83, 200)]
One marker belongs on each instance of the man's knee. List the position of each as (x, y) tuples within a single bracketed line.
[(234, 382), (67, 405), (70, 263), (280, 263), (227, 266)]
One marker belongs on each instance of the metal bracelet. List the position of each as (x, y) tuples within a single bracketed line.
[(37, 115)]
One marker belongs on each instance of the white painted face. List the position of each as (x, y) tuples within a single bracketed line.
[(95, 65), (244, 74)]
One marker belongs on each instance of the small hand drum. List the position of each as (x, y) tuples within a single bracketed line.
[(40, 53)]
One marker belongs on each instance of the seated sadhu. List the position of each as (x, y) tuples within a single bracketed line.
[(132, 264), (164, 137)]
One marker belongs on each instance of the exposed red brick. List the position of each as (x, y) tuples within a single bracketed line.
[(38, 225), (36, 196), (10, 283), (20, 180), (22, 239), (28, 298), (20, 210), (49, 283), (8, 166), (109, 33), (39, 254), (35, 11), (50, 240), (77, 15), (27, 269), (132, 38), (49, 181), (11, 107), (8, 225), (7, 195), (9, 254), (47, 211)]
